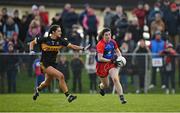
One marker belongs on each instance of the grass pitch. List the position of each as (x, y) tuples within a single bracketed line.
[(89, 103)]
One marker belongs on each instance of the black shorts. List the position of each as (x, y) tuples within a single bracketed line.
[(46, 65)]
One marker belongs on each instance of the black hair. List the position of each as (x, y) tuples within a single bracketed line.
[(52, 29), (101, 34)]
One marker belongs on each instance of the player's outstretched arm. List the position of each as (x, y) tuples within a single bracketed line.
[(75, 47)]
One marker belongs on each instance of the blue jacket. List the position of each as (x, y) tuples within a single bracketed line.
[(157, 46)]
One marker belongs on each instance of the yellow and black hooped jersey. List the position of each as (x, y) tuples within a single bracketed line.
[(50, 48)]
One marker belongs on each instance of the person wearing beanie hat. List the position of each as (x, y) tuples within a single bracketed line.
[(34, 7), (173, 6), (156, 46)]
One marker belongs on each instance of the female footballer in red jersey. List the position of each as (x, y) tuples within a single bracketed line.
[(107, 49), (50, 47)]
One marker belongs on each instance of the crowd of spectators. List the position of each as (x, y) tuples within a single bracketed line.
[(158, 24)]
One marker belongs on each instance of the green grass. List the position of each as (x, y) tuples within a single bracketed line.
[(89, 103)]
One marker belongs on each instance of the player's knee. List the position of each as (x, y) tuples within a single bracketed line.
[(61, 77), (115, 80)]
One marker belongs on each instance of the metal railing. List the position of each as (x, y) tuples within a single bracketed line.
[(26, 58)]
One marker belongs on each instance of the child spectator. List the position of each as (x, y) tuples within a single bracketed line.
[(91, 69), (39, 74)]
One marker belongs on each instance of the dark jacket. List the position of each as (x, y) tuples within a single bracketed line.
[(64, 68), (77, 65)]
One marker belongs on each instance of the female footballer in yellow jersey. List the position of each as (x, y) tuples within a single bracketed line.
[(50, 47)]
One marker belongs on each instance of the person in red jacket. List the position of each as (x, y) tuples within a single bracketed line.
[(140, 13), (44, 15)]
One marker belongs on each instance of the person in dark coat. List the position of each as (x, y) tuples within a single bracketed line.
[(77, 66), (140, 63), (63, 66), (12, 63)]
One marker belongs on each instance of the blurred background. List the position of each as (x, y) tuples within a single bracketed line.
[(147, 33)]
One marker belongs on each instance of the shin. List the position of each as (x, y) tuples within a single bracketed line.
[(115, 78)]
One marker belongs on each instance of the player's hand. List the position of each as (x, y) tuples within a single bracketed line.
[(31, 52), (87, 47), (121, 61), (113, 60)]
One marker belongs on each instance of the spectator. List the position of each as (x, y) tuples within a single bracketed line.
[(108, 15), (91, 23), (83, 14), (12, 64), (35, 27), (34, 12), (44, 17), (140, 63), (140, 13), (74, 37), (134, 28), (1, 23), (118, 16), (172, 24), (91, 69), (121, 29), (124, 75), (157, 24), (81, 18), (9, 28), (77, 66), (157, 45), (128, 38), (147, 10), (152, 13), (70, 19), (23, 28), (37, 70), (66, 9), (18, 44), (57, 20), (63, 66), (4, 12), (34, 31), (165, 8), (129, 68), (169, 63), (16, 18)]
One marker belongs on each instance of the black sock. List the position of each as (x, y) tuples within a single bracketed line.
[(38, 89), (121, 97), (67, 94)]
